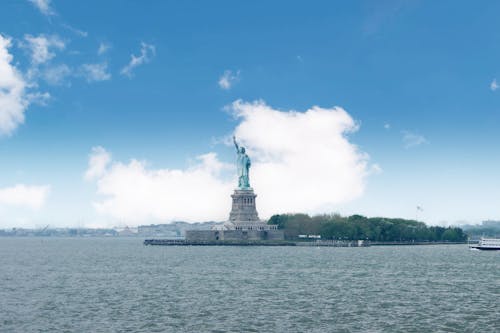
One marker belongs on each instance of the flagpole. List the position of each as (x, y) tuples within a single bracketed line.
[(416, 212)]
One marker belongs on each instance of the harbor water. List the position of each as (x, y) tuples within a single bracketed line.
[(120, 285)]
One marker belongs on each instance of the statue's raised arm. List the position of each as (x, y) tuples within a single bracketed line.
[(236, 144)]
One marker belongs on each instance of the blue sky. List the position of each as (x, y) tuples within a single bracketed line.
[(415, 77)]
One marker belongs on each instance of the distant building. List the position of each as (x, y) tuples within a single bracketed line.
[(127, 232)]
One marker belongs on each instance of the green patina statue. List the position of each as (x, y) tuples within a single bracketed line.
[(243, 164)]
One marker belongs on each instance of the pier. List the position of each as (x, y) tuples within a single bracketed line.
[(317, 243)]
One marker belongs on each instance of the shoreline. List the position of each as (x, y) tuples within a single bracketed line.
[(327, 243), (414, 243)]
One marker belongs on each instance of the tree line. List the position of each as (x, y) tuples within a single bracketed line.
[(355, 227)]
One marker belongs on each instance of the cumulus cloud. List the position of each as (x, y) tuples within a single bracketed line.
[(228, 79), (43, 6), (95, 72), (13, 102), (494, 85), (304, 161), (42, 47), (148, 51), (132, 192), (26, 196), (411, 139), (301, 162)]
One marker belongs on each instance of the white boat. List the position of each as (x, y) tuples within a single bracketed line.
[(491, 244)]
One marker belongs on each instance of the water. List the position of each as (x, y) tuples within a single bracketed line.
[(119, 285)]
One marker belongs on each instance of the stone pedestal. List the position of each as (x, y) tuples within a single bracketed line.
[(244, 214), (243, 209)]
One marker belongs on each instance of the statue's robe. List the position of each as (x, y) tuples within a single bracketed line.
[(243, 169)]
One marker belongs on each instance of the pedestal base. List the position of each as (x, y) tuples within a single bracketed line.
[(243, 226), (244, 214), (243, 209)]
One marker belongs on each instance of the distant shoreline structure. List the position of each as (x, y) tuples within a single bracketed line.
[(383, 231)]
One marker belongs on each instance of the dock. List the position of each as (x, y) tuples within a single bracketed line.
[(317, 243), (181, 242)]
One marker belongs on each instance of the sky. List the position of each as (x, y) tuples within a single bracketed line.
[(121, 112)]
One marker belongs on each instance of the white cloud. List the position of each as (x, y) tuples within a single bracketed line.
[(494, 85), (228, 79), (41, 47), (103, 48), (147, 52), (411, 139), (134, 194), (387, 126), (56, 75), (22, 195), (99, 159), (301, 162), (13, 102), (38, 98), (43, 6), (76, 31), (375, 169), (95, 72)]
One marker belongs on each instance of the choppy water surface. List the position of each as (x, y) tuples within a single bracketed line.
[(119, 285)]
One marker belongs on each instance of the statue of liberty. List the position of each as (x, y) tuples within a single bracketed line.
[(243, 163)]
